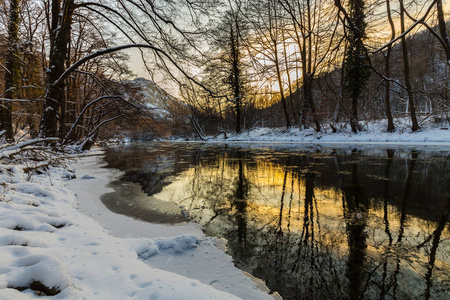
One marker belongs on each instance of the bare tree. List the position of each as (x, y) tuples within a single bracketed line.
[(267, 20), (444, 38), (314, 31), (33, 33), (406, 70), (131, 20), (230, 41), (387, 70), (60, 22)]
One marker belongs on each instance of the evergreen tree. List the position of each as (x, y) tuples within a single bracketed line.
[(357, 68)]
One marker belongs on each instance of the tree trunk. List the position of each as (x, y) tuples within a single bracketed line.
[(308, 86), (412, 110), (387, 92), (236, 74), (305, 87), (55, 96), (354, 119), (341, 98), (12, 66), (387, 67), (443, 29), (310, 76), (280, 84), (238, 115), (291, 96)]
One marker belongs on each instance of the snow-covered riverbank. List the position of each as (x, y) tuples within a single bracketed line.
[(56, 236), (373, 133)]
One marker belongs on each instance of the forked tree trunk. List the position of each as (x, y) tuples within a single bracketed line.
[(310, 75), (308, 86)]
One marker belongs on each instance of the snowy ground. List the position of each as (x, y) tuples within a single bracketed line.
[(71, 244), (373, 133)]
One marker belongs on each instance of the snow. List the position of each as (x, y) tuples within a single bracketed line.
[(373, 133), (71, 244)]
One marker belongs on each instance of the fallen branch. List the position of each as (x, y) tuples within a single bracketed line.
[(9, 151), (45, 164), (14, 100)]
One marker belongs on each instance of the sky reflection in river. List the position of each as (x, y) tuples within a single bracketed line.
[(314, 224)]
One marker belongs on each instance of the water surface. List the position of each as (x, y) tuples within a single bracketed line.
[(313, 222)]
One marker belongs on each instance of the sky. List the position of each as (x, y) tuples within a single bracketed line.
[(137, 66)]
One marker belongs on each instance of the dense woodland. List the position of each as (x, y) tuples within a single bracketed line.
[(65, 74)]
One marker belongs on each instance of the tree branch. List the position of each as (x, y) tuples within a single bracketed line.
[(419, 21)]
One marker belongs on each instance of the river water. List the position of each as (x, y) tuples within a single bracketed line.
[(314, 222)]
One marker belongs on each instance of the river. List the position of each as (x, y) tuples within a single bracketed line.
[(314, 222)]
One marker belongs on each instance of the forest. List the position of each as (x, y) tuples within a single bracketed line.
[(218, 66), (285, 149)]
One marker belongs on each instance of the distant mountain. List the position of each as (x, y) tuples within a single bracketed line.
[(152, 96)]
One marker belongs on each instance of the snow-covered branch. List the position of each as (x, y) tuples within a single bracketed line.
[(9, 151), (14, 100)]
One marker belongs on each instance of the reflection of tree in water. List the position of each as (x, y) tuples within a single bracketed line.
[(299, 263), (306, 262), (404, 202), (280, 230), (238, 201), (313, 261), (406, 194), (402, 256), (384, 286), (152, 167), (355, 208), (390, 156), (436, 236)]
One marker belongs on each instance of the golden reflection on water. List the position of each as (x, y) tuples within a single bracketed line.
[(195, 187), (389, 248)]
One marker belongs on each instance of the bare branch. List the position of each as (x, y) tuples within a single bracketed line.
[(14, 100), (419, 21)]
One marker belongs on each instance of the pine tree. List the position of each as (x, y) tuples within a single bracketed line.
[(357, 68)]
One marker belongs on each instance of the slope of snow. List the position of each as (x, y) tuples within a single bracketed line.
[(47, 244)]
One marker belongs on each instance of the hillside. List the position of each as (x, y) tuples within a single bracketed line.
[(430, 83), (150, 94)]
